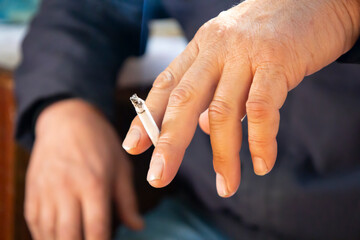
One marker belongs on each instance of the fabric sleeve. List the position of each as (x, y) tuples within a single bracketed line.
[(74, 49)]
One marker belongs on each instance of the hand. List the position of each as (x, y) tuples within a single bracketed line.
[(75, 168), (242, 62)]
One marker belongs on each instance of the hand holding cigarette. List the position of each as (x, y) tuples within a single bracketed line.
[(243, 61)]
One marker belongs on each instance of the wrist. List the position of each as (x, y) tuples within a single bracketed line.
[(62, 112)]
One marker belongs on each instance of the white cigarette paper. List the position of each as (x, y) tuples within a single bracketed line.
[(146, 119)]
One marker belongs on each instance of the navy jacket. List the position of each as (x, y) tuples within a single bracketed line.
[(75, 49)]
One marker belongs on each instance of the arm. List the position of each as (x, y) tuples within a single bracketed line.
[(74, 49)]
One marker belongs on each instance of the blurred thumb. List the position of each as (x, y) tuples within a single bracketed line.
[(125, 197)]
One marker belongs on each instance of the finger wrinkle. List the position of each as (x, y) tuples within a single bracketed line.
[(181, 95), (165, 141), (221, 162), (165, 80), (260, 141), (220, 109)]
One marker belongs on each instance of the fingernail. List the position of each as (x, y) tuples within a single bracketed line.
[(221, 186), (260, 166), (132, 139), (156, 168)]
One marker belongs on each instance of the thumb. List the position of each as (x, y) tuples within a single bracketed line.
[(125, 196)]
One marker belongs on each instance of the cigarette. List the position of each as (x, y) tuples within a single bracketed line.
[(146, 119)]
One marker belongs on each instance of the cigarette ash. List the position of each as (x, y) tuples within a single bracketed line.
[(138, 103)]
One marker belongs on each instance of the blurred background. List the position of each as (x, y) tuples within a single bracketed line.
[(17, 11), (165, 43), (14, 17)]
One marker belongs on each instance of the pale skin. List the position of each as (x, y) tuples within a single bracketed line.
[(242, 62)]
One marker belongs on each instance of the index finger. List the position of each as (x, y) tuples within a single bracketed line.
[(69, 218), (96, 213), (137, 140)]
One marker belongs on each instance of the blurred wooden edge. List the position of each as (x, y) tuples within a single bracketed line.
[(13, 164)]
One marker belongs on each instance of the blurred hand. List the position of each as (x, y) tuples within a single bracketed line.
[(242, 62), (76, 167)]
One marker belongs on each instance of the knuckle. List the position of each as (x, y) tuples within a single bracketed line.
[(222, 14), (166, 141), (181, 95), (219, 111), (261, 142), (165, 80), (222, 25), (63, 182), (219, 28), (95, 182), (258, 109), (205, 27), (219, 160), (95, 177)]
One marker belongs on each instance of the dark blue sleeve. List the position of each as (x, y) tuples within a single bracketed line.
[(75, 49)]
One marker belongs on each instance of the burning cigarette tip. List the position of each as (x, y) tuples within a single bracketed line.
[(146, 119), (135, 100)]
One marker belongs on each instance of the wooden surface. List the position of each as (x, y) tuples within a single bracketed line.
[(13, 163), (7, 166)]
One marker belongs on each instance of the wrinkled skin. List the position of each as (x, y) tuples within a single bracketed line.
[(77, 167), (244, 61)]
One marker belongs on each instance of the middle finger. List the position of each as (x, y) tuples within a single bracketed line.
[(186, 102), (137, 140)]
